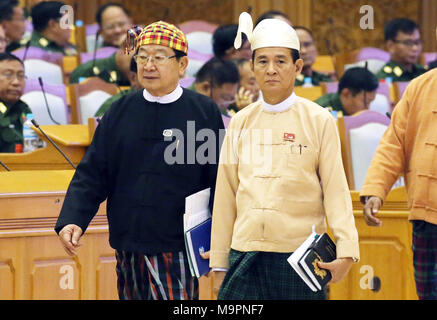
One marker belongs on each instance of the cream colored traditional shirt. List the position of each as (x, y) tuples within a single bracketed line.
[(280, 173)]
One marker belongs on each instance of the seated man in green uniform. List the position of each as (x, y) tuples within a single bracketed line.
[(219, 80), (12, 110), (356, 90), (48, 33), (403, 41), (114, 21), (308, 52), (14, 23), (113, 69), (134, 85)]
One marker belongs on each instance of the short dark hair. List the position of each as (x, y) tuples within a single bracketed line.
[(7, 9), (106, 6), (6, 56), (393, 27), (358, 79), (270, 15), (295, 55), (133, 65), (45, 11), (218, 72), (223, 39)]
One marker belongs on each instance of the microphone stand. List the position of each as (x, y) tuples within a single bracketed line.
[(53, 143)]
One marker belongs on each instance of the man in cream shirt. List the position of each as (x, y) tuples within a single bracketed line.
[(280, 173)]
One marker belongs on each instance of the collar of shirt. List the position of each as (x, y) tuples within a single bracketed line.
[(281, 106), (168, 98)]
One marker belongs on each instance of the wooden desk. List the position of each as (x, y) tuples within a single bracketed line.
[(72, 139), (385, 253), (33, 263)]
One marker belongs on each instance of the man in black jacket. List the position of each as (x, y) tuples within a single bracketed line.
[(146, 156)]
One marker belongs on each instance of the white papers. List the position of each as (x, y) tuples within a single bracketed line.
[(293, 260), (196, 209)]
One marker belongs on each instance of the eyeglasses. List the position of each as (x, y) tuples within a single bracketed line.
[(409, 43), (10, 76), (156, 60)]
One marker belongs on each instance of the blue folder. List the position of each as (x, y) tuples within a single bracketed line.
[(198, 240)]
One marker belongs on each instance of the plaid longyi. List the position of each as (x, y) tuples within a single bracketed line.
[(264, 276)]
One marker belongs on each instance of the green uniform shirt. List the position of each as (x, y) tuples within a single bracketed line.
[(398, 73), (332, 101), (12, 118), (37, 40), (105, 106), (315, 79), (105, 68)]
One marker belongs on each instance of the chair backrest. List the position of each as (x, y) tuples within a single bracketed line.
[(88, 96), (190, 26), (101, 53), (56, 101), (329, 87), (399, 89), (310, 93), (373, 65), (381, 104), (360, 135), (199, 36), (90, 37), (41, 63), (428, 57), (324, 63), (375, 58), (186, 82)]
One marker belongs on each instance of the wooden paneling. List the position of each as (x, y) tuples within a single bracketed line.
[(33, 263), (385, 254)]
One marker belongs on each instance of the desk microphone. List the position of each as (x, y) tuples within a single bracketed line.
[(25, 50), (95, 52), (4, 166), (52, 142), (45, 99)]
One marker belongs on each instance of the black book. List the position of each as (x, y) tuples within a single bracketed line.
[(322, 249)]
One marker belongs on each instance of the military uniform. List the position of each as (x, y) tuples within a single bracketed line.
[(105, 68), (331, 101), (398, 73), (316, 78), (12, 118), (39, 41), (105, 106)]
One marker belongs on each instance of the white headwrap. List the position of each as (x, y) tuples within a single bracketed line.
[(268, 33)]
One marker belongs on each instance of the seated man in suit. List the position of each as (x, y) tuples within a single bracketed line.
[(134, 85), (114, 21), (403, 41), (308, 52), (14, 23), (356, 90), (48, 33), (113, 69), (13, 111), (218, 80)]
